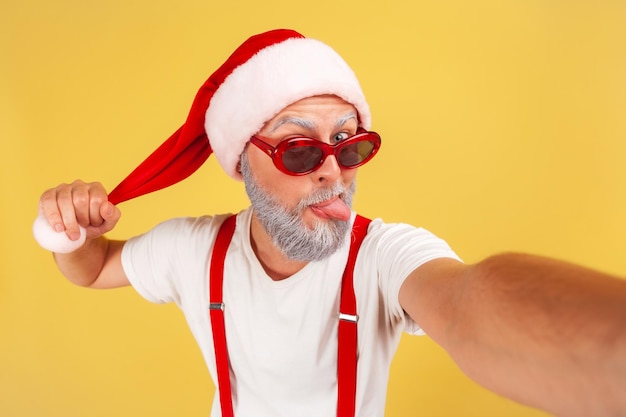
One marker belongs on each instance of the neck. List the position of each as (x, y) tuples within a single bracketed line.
[(276, 265)]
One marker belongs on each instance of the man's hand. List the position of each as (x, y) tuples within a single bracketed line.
[(68, 206)]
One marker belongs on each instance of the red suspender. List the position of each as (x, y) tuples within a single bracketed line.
[(347, 343), (216, 311), (347, 338)]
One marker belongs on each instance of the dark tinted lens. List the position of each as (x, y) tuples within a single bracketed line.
[(302, 158), (355, 153)]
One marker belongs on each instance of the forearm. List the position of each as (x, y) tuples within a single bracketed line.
[(83, 266), (547, 333)]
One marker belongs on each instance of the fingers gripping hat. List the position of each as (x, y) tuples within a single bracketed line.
[(263, 75)]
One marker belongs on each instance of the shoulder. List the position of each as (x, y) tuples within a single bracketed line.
[(404, 240), (177, 237), (389, 254), (186, 227)]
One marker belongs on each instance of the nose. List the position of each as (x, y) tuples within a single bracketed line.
[(329, 171)]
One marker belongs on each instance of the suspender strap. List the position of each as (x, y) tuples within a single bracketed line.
[(347, 337), (347, 349), (216, 312)]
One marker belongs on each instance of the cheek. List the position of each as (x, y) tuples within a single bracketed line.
[(286, 188), (348, 176), (261, 166)]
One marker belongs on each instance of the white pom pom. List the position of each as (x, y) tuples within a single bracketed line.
[(55, 241)]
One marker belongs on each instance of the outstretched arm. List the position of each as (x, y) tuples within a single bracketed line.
[(545, 333)]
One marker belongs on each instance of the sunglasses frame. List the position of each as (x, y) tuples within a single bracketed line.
[(276, 152)]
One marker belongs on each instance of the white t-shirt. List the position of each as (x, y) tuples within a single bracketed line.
[(282, 335)]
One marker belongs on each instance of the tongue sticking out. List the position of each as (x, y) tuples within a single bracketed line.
[(333, 209)]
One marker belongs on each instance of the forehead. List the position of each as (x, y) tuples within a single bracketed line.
[(311, 111)]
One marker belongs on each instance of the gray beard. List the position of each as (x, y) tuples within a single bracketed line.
[(285, 227)]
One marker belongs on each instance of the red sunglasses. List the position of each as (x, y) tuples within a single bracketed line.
[(302, 155)]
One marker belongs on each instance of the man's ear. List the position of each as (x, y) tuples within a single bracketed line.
[(239, 166)]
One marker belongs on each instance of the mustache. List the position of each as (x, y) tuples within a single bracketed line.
[(325, 194)]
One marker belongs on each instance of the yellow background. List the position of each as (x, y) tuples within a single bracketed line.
[(503, 127)]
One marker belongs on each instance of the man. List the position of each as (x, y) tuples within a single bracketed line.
[(267, 293)]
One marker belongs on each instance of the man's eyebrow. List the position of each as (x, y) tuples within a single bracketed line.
[(309, 124), (304, 123), (345, 119)]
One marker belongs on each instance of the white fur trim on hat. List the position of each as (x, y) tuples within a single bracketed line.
[(272, 79)]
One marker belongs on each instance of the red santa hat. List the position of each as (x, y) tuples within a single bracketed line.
[(283, 67), (265, 74)]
